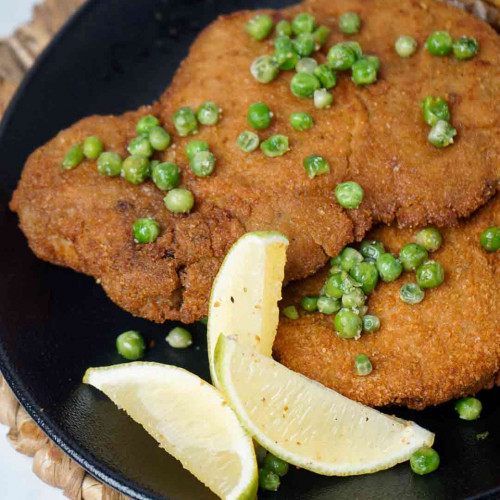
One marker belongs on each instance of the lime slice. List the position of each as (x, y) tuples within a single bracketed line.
[(189, 418), (245, 293), (307, 424)]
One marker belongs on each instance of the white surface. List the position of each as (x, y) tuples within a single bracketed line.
[(17, 481), (13, 13)]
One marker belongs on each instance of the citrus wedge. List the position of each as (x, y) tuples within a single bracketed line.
[(307, 424), (246, 291), (189, 418)]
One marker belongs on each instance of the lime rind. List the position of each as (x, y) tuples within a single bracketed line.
[(127, 386), (377, 451)]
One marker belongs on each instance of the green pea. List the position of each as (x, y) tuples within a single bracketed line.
[(490, 239), (349, 194), (304, 44), (283, 28), (371, 248), (208, 113), (304, 85), (286, 59), (441, 134), (424, 461), (389, 267), (248, 141), (348, 324), (365, 273), (140, 146), (322, 99), (275, 464), (468, 408), (320, 35), (130, 345), (193, 147), (354, 299), (349, 23), (316, 165), (439, 43), (363, 365), (268, 480), (135, 169), (259, 115), (283, 42), (341, 56), (326, 76), (301, 121), (285, 54), (349, 257), (109, 164), (412, 256), (364, 72), (309, 303), (370, 323), (333, 286), (202, 164), (260, 26), (405, 46), (328, 305), (146, 123), (179, 338), (335, 261), (290, 312), (166, 175), (355, 47), (92, 147), (348, 283), (179, 201), (185, 121), (264, 69), (465, 48), (146, 230), (159, 138), (276, 145), (429, 238), (303, 23), (411, 293), (375, 61), (306, 65), (435, 109), (430, 274), (73, 157)]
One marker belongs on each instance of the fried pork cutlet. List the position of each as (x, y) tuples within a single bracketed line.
[(374, 135), (445, 347)]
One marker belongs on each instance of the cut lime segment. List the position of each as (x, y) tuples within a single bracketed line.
[(189, 418), (246, 291), (307, 424)]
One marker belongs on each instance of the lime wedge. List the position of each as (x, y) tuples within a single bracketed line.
[(307, 424), (246, 291), (189, 418)]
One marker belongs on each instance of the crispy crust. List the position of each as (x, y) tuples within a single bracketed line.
[(372, 135), (446, 347)]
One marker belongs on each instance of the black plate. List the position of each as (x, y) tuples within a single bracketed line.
[(115, 55)]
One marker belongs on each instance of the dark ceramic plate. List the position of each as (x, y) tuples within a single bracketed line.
[(115, 55)]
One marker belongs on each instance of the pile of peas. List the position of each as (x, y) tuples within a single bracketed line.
[(271, 469), (355, 273), (138, 166), (296, 42)]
